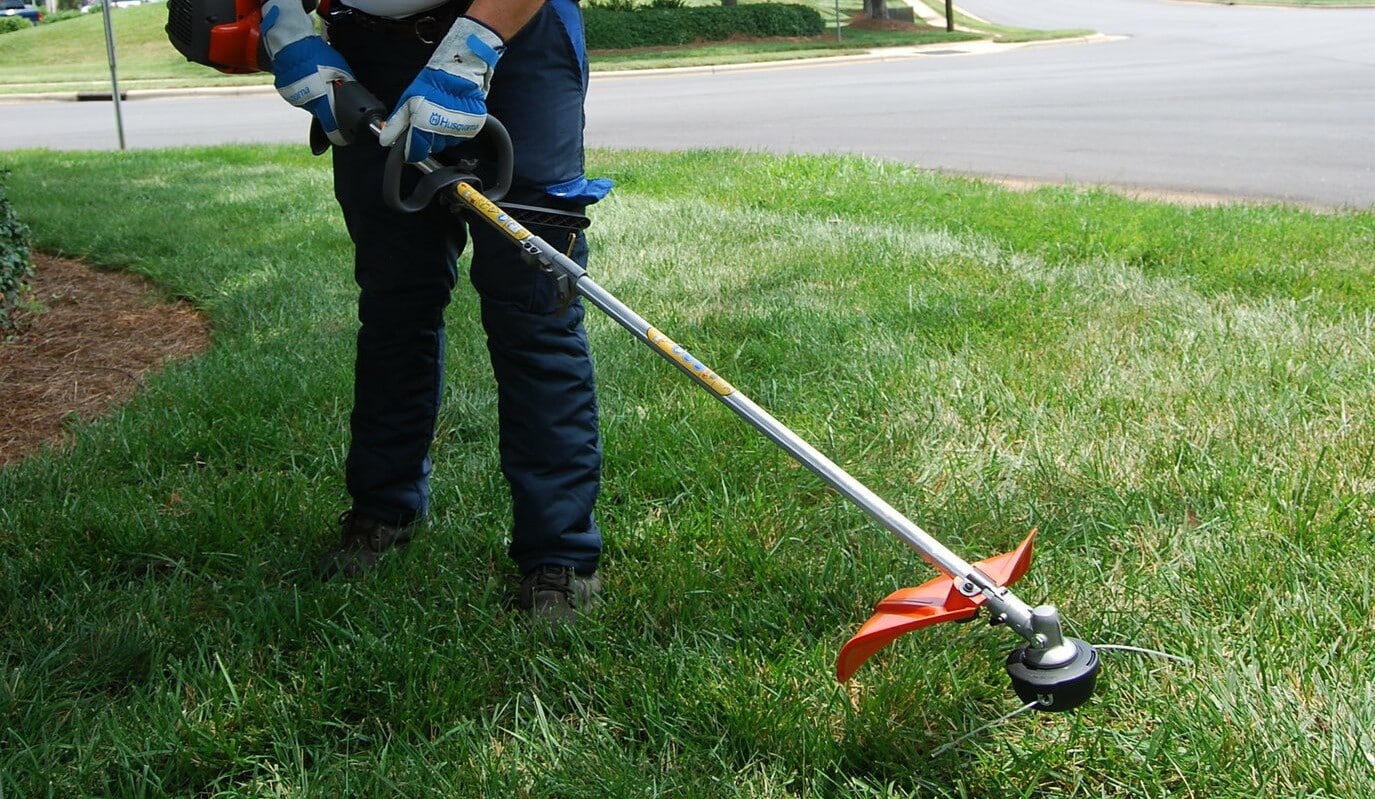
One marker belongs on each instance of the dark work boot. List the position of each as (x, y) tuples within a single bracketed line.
[(556, 594), (363, 541)]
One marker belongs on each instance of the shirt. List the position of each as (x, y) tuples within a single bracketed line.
[(395, 9)]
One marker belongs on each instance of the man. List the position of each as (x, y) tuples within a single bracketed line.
[(443, 68)]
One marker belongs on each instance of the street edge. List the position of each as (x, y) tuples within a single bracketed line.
[(976, 47)]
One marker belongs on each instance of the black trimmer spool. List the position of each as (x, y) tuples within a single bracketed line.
[(1055, 689)]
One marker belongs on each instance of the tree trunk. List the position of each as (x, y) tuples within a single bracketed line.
[(878, 9)]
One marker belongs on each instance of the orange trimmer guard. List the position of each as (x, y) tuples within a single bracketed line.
[(932, 602)]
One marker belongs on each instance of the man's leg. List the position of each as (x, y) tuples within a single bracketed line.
[(404, 265), (405, 269), (550, 449)]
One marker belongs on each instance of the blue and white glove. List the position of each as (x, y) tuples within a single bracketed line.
[(446, 104), (305, 67)]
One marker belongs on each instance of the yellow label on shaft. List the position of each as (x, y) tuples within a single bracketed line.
[(693, 366), (503, 221)]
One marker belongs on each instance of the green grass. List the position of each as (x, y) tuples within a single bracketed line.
[(851, 43), (1179, 398), (1002, 33), (71, 55)]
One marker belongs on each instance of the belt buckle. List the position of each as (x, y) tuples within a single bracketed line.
[(419, 25), (338, 12)]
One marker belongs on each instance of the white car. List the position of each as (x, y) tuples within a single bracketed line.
[(94, 5)]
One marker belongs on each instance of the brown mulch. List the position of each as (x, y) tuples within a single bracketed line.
[(88, 348)]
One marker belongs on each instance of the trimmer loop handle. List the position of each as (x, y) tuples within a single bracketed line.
[(359, 112)]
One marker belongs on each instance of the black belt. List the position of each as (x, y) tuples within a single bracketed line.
[(427, 26)]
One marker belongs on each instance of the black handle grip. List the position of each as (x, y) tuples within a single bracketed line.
[(357, 111), (440, 177)]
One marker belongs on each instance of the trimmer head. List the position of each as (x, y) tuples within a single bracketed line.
[(1052, 672), (1055, 689), (932, 602)]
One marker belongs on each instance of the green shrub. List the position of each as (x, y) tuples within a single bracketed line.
[(8, 24), (15, 266), (61, 15), (615, 25)]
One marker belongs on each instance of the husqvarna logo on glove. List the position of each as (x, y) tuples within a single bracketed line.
[(438, 120)]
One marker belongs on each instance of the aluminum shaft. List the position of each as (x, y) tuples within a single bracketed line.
[(1044, 635)]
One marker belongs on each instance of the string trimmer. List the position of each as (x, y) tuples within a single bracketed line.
[(1050, 671)]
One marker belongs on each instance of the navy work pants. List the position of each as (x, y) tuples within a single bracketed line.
[(405, 266)]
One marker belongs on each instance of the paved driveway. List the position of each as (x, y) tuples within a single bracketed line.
[(1230, 100), (1191, 97)]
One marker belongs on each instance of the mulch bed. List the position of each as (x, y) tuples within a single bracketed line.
[(95, 337)]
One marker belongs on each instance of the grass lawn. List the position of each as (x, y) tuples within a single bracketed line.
[(1179, 398), (70, 55)]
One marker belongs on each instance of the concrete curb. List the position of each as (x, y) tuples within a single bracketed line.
[(137, 94)]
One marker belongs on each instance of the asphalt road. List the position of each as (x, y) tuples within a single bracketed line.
[(1231, 100), (1176, 97)]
